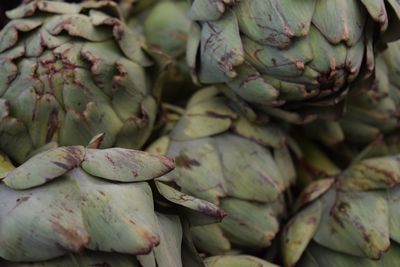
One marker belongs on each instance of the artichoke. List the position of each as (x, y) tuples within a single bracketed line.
[(71, 71), (372, 106), (241, 167), (348, 221), (68, 199), (291, 59)]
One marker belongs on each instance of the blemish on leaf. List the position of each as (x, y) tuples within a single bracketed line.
[(184, 161)]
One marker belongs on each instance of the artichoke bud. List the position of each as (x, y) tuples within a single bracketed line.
[(349, 220), (371, 117), (72, 71), (242, 167), (290, 59), (74, 199)]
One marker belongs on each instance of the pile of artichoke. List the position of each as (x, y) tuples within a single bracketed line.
[(199, 133)]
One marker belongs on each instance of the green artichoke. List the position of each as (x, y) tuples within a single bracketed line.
[(241, 167), (291, 59), (372, 106), (69, 199), (71, 71), (348, 221)]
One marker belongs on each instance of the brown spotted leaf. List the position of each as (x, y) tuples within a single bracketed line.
[(41, 223), (125, 165), (198, 211), (45, 167)]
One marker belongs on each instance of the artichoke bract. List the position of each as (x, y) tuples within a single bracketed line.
[(89, 259), (353, 219), (372, 106), (69, 72), (236, 261), (290, 59), (70, 199), (115, 260), (243, 168)]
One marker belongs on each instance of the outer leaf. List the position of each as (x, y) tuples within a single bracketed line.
[(118, 217), (360, 222), (45, 167), (88, 259), (124, 165), (199, 170), (210, 239), (299, 233), (286, 19), (237, 261), (369, 174), (250, 224), (37, 224), (198, 211), (168, 253)]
